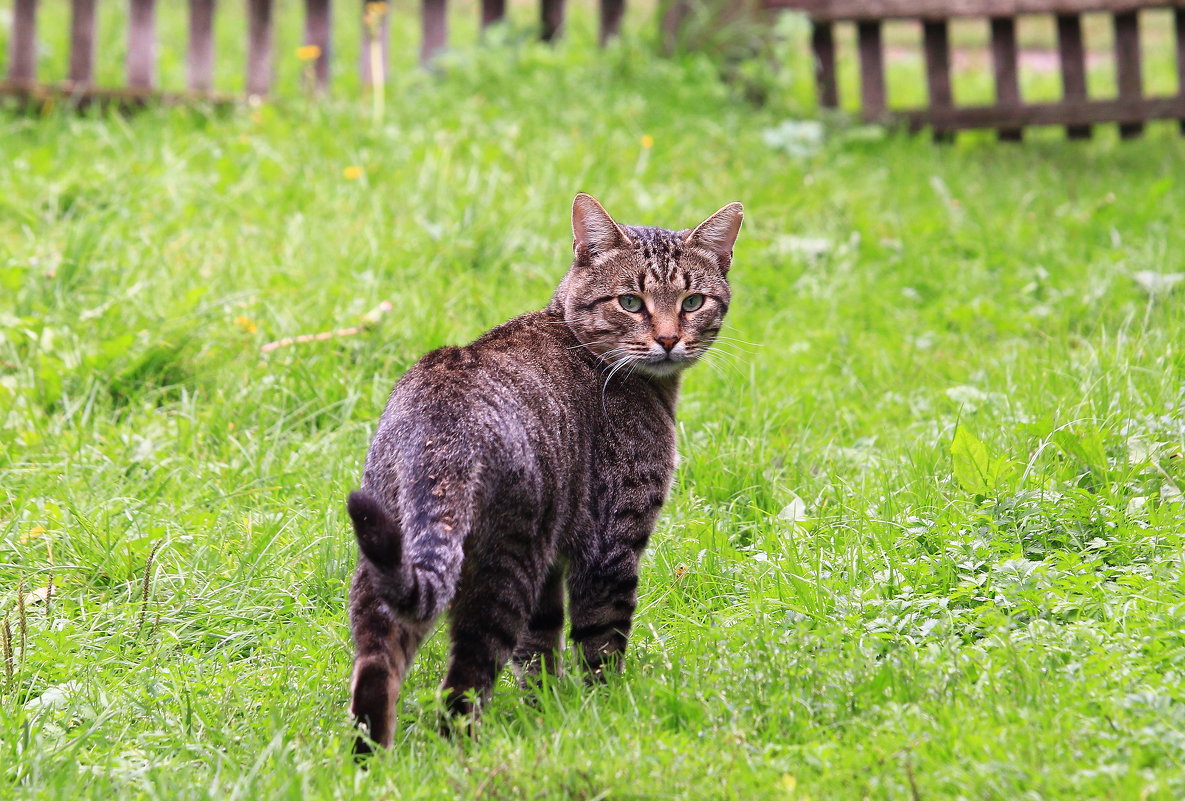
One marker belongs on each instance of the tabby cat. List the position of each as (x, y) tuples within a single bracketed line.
[(532, 461)]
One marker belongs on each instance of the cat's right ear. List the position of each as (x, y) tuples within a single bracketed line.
[(593, 230)]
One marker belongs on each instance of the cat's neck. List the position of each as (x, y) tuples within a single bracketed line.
[(666, 386)]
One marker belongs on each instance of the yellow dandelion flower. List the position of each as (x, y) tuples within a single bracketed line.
[(647, 141), (308, 52), (246, 324), (374, 12), (32, 534), (352, 173)]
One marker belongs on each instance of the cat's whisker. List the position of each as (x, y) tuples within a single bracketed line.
[(616, 367), (739, 340), (594, 342), (738, 343), (720, 365), (720, 353)]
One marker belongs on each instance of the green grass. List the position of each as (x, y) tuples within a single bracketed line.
[(952, 366)]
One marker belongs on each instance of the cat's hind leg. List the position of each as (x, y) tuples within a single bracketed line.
[(384, 646), (495, 599), (538, 646)]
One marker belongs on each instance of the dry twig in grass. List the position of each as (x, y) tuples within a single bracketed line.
[(368, 320)]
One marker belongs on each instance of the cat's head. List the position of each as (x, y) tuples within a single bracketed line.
[(647, 298)]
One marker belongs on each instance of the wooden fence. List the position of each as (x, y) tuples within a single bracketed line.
[(140, 67), (1009, 114)]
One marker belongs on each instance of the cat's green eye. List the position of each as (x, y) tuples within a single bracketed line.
[(692, 302), (631, 303)]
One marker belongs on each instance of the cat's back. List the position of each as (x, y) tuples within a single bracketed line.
[(534, 351), (524, 381)]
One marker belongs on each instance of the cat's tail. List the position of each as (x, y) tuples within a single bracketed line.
[(418, 564)]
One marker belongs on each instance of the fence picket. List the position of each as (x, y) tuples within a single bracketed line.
[(1005, 67), (823, 46), (82, 43), (1073, 63), (23, 48), (936, 44), (872, 70), (1179, 24), (259, 46), (199, 56), (551, 16), (1127, 65), (611, 14), (317, 32), (141, 63), (492, 11), (434, 24)]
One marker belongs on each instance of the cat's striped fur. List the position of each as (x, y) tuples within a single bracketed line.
[(532, 461)]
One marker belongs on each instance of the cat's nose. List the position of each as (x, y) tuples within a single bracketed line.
[(668, 342)]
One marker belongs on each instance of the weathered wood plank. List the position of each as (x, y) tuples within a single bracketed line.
[(22, 64), (1073, 63), (823, 46), (141, 62), (1067, 112), (199, 56), (1127, 65), (936, 46), (492, 11), (855, 10), (82, 42), (872, 70), (1005, 65), (382, 30), (611, 14), (434, 26), (318, 28), (259, 46), (73, 96), (551, 18)]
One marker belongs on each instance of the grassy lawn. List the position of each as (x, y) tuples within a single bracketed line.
[(926, 540)]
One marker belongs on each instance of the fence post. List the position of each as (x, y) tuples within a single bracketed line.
[(823, 46), (1004, 64), (1127, 66), (82, 43), (199, 57), (872, 70), (937, 46), (317, 31), (259, 46), (551, 15), (434, 22), (1073, 63), (23, 48), (141, 64)]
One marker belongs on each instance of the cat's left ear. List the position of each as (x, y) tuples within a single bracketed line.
[(719, 232)]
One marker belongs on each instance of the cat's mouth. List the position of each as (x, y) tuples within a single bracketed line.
[(666, 364)]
